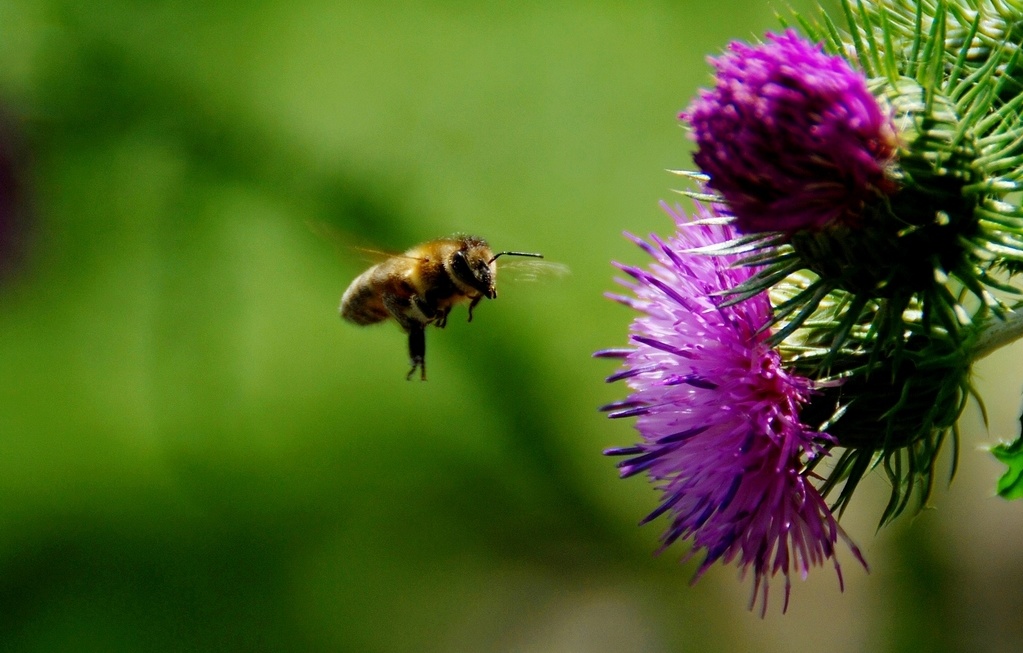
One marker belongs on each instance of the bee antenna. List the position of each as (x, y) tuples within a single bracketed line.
[(531, 254)]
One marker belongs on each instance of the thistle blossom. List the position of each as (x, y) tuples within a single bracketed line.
[(791, 137), (718, 415)]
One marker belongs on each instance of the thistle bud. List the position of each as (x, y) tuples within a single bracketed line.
[(902, 242)]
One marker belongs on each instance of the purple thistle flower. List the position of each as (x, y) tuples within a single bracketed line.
[(791, 137), (719, 414)]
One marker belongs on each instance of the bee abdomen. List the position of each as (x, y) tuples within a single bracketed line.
[(361, 304)]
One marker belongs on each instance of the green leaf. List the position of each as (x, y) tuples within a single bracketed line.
[(1010, 485)]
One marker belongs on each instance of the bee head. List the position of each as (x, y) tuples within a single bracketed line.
[(473, 265)]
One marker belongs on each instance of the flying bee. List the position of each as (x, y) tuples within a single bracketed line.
[(421, 286)]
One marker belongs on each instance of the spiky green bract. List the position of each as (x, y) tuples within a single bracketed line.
[(892, 409), (974, 32), (907, 244), (894, 412), (948, 226), (982, 42)]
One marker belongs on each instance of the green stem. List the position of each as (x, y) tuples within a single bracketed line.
[(998, 333)]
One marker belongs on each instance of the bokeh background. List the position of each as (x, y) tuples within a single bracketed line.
[(196, 454)]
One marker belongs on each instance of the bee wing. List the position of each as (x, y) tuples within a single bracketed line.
[(376, 255), (533, 270), (348, 246)]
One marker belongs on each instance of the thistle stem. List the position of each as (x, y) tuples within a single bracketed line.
[(998, 333)]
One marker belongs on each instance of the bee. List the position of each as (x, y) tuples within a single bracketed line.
[(421, 286)]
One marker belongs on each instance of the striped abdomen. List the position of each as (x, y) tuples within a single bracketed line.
[(362, 302)]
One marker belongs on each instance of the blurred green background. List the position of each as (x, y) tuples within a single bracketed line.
[(196, 454)]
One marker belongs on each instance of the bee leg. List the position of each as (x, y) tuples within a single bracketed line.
[(429, 310), (402, 310), (475, 300), (442, 318), (417, 351)]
